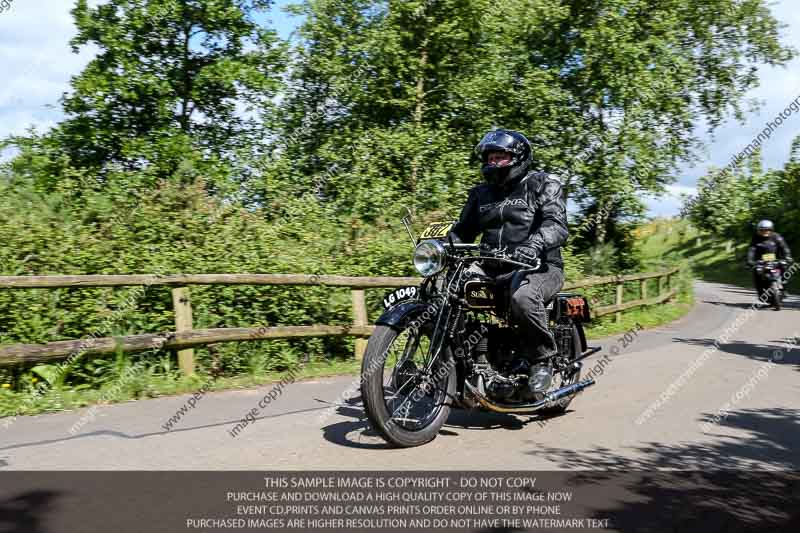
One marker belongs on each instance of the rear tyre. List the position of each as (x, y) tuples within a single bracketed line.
[(390, 371)]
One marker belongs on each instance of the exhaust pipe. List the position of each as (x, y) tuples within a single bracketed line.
[(549, 398)]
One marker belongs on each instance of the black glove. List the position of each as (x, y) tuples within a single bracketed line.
[(455, 238), (525, 254)]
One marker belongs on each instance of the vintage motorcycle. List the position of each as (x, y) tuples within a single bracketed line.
[(770, 271), (451, 342)]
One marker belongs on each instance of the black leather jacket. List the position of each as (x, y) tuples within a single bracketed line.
[(774, 244), (529, 211)]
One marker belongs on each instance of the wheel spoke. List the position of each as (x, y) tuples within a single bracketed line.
[(399, 389), (404, 403)]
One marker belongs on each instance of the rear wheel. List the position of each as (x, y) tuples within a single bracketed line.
[(406, 404)]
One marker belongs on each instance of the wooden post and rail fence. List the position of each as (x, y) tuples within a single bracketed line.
[(185, 337)]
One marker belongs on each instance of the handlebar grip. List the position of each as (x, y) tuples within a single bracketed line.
[(536, 266)]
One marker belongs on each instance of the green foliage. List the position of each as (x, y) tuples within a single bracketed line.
[(174, 82), (729, 205), (396, 93)]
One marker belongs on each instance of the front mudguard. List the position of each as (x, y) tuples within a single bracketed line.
[(399, 316), (413, 314)]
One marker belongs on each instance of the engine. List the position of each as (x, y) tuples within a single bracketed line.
[(504, 371)]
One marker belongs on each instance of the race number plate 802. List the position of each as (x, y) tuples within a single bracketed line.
[(399, 295), (437, 230)]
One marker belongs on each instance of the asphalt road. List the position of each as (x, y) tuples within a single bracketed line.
[(756, 402)]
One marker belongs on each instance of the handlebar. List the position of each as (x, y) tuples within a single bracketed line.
[(761, 264), (490, 255), (462, 246)]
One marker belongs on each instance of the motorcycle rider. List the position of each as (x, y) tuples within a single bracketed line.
[(766, 241), (524, 212)]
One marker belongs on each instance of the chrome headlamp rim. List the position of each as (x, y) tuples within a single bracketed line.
[(429, 257)]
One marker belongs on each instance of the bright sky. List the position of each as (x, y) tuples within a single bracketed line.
[(36, 64)]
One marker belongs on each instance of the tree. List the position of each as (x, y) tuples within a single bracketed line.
[(374, 93), (174, 82), (729, 201), (638, 75), (398, 92), (729, 204), (779, 199)]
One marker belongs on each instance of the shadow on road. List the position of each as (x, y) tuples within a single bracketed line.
[(24, 513), (762, 436), (733, 457), (781, 352), (357, 433), (787, 305), (474, 419)]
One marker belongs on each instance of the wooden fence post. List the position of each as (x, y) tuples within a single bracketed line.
[(643, 289), (620, 291), (359, 319), (669, 283), (183, 322)]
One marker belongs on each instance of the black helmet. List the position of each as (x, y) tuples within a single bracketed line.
[(510, 141)]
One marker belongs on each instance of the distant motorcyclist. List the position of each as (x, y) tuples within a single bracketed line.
[(766, 243)]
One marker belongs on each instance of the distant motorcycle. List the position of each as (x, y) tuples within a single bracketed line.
[(452, 342), (770, 272)]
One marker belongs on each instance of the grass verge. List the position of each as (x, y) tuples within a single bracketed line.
[(153, 386)]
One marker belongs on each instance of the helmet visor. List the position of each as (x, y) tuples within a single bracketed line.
[(498, 141)]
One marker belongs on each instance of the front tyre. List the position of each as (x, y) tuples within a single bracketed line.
[(777, 295), (404, 404)]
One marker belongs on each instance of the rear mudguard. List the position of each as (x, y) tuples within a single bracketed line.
[(582, 336), (401, 315)]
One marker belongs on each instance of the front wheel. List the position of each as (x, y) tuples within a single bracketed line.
[(406, 404), (777, 295)]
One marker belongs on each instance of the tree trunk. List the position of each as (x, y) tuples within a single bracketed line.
[(187, 83), (419, 109), (602, 217)]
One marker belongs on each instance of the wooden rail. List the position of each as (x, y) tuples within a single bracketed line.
[(182, 280), (185, 338)]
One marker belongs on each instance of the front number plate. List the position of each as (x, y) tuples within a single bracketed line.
[(399, 295)]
